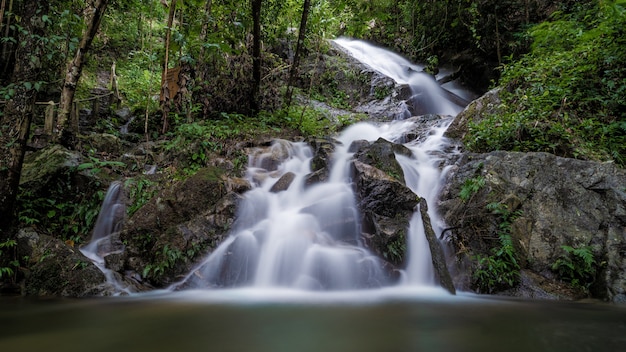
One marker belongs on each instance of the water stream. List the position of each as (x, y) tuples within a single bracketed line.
[(308, 237)]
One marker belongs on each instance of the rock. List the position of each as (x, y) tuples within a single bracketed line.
[(488, 104), (48, 164), (104, 143), (180, 224), (438, 257), (57, 269), (386, 206), (561, 201), (382, 155), (283, 182), (270, 158)]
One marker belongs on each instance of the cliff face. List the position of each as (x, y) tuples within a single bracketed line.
[(567, 211)]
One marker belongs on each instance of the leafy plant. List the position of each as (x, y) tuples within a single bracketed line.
[(7, 262), (95, 165), (396, 249), (470, 187), (167, 258), (500, 269), (141, 190), (576, 265)]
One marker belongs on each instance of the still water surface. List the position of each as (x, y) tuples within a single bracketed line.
[(277, 321)]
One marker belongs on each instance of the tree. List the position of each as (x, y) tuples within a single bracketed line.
[(256, 54), (296, 59), (17, 114), (165, 93), (75, 67)]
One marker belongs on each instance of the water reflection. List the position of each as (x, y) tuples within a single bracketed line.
[(238, 320)]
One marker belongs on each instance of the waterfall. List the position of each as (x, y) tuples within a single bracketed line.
[(428, 97), (308, 236), (103, 241)]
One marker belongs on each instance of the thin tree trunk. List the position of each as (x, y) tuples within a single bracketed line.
[(204, 33), (5, 46), (75, 67), (17, 117), (256, 54), (165, 94), (2, 7), (299, 47)]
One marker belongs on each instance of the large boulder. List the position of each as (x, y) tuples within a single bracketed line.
[(385, 202), (180, 224), (56, 268), (559, 202)]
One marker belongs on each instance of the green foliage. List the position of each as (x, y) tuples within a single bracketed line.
[(8, 263), (577, 265), (64, 212), (95, 165), (568, 95), (141, 190), (470, 187), (396, 249), (168, 258), (309, 121), (500, 269)]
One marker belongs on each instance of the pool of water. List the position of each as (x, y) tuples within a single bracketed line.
[(275, 321)]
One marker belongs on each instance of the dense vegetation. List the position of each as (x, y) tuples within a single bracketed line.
[(561, 64), (568, 95)]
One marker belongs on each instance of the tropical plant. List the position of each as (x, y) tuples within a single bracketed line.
[(577, 265), (500, 269)]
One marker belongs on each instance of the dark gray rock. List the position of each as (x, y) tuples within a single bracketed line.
[(561, 201)]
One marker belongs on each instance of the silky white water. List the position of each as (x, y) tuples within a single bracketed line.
[(428, 97), (308, 236)]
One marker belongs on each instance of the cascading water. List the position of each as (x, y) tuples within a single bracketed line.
[(428, 97), (292, 234), (303, 237), (109, 222), (308, 237)]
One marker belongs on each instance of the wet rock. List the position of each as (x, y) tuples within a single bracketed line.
[(560, 202), (386, 205), (437, 254), (382, 155), (269, 158), (58, 269), (488, 104), (283, 182), (180, 224)]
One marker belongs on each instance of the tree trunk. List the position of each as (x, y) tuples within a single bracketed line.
[(6, 44), (17, 117), (75, 67), (299, 46), (256, 54), (165, 94), (204, 33)]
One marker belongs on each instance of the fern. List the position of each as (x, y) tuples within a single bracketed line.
[(577, 266)]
